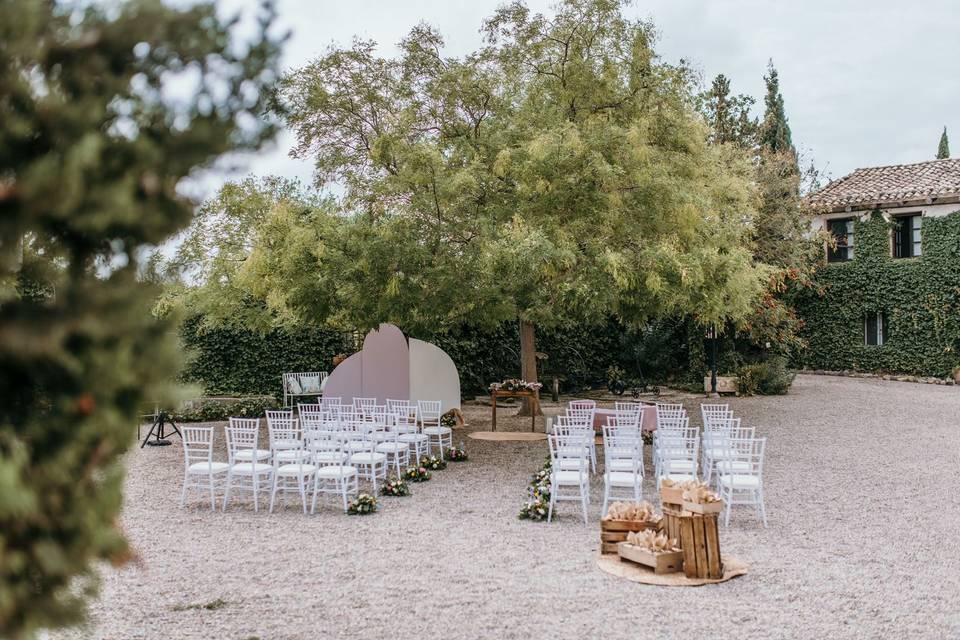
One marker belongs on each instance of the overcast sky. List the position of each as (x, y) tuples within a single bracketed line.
[(865, 82)]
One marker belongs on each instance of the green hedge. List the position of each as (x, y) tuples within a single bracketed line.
[(233, 361), (920, 297)]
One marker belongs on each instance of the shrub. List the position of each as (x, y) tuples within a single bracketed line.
[(209, 410), (767, 378)]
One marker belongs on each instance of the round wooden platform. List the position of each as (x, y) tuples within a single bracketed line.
[(611, 563), (507, 436)]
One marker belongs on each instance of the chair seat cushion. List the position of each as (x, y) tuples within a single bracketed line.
[(569, 477), (292, 455), (336, 471), (680, 477), (367, 458), (437, 431), (680, 466), (740, 481), (355, 445), (411, 437), (209, 467), (726, 466), (571, 464), (622, 465), (247, 454), (248, 468), (295, 469), (329, 456), (392, 447), (622, 478)]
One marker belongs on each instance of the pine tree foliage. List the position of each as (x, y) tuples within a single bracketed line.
[(728, 116), (94, 141), (943, 149)]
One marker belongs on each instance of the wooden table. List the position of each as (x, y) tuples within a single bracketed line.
[(533, 395)]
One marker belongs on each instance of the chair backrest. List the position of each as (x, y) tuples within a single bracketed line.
[(311, 406), (710, 412), (313, 423), (284, 433), (330, 401), (248, 423), (623, 444), (748, 452), (240, 437), (429, 412), (278, 414), (624, 420), (582, 417), (364, 404), (628, 407), (569, 424), (572, 449), (197, 444), (582, 405), (667, 411), (405, 421)]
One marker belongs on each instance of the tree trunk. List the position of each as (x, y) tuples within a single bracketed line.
[(528, 362)]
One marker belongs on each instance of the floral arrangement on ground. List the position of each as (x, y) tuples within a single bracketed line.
[(398, 488), (538, 501), (416, 474), (457, 454), (364, 505), (449, 419), (433, 463), (515, 385)]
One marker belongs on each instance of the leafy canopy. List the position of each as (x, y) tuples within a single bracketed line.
[(557, 174)]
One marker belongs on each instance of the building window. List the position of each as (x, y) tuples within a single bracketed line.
[(842, 232), (875, 328), (906, 236)]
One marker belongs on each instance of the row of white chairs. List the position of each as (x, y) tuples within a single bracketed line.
[(327, 449), (729, 456)]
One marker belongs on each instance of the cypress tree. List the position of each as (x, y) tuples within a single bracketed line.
[(92, 151), (943, 150), (775, 131)]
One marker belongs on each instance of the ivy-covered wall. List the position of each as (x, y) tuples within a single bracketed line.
[(920, 297)]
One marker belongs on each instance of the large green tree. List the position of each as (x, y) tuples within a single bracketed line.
[(558, 174), (105, 111)]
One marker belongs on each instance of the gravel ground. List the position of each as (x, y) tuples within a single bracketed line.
[(862, 498)]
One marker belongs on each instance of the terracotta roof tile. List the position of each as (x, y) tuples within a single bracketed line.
[(895, 183)]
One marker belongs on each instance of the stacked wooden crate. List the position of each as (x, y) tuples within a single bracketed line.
[(615, 531), (697, 533)]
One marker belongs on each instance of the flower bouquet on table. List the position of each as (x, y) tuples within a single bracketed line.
[(363, 505), (457, 454), (433, 463), (416, 474), (398, 487), (515, 385)]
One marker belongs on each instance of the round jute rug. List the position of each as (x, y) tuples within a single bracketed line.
[(612, 564), (507, 436)]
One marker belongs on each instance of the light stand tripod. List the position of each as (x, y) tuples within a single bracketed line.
[(158, 430)]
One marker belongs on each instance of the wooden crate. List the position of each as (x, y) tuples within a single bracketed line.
[(666, 562), (614, 531), (671, 523), (703, 509), (700, 542), (671, 497)]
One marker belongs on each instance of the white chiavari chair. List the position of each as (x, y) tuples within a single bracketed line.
[(740, 477), (243, 474), (570, 469), (199, 469)]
